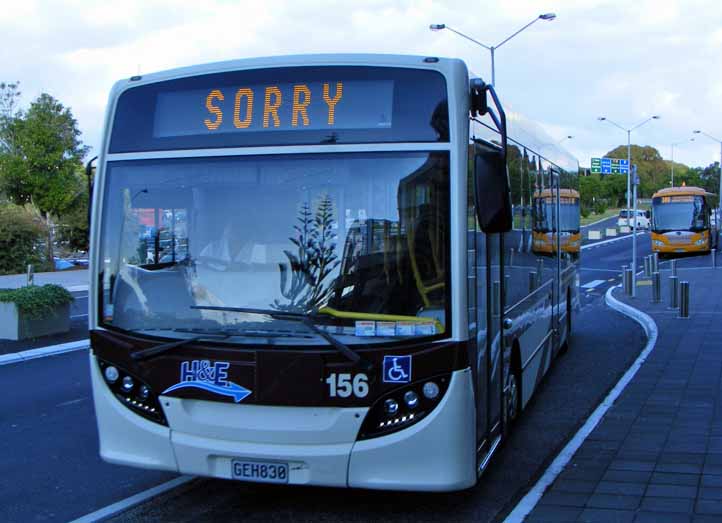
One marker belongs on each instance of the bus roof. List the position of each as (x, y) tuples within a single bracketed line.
[(564, 193), (682, 191), (301, 60)]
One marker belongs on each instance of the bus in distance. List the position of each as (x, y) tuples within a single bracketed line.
[(545, 239), (302, 272), (681, 221)]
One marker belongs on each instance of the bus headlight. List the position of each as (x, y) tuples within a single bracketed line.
[(132, 392), (701, 241), (403, 407), (658, 243)]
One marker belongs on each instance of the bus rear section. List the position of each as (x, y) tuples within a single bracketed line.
[(681, 221)]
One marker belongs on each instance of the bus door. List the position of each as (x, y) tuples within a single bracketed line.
[(486, 305)]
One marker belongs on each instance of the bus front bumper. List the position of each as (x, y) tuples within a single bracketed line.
[(318, 443)]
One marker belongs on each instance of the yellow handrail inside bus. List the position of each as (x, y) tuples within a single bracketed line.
[(352, 315)]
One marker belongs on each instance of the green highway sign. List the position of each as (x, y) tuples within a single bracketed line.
[(610, 166)]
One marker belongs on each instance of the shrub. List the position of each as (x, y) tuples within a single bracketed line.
[(37, 301), (20, 237), (600, 207), (585, 212)]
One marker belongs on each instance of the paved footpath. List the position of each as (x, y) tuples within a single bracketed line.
[(656, 456)]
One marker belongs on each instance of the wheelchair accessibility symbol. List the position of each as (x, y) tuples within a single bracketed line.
[(397, 369)]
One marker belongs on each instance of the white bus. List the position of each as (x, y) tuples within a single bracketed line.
[(301, 272)]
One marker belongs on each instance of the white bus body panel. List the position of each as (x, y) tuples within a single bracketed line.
[(436, 454), (315, 441), (125, 437), (319, 444)]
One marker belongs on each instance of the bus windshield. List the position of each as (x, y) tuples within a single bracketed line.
[(544, 210), (354, 236), (679, 213)]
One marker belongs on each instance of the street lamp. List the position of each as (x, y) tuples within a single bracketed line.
[(719, 205), (629, 146), (493, 48), (629, 170), (673, 145)]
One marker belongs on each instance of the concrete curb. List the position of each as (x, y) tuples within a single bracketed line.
[(529, 501), (41, 352)]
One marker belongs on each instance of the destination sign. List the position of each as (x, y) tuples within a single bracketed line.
[(609, 166), (275, 107)]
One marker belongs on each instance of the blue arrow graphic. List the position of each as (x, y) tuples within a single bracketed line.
[(237, 392)]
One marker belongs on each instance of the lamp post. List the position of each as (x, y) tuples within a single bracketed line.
[(673, 146), (492, 48), (629, 148), (719, 196), (636, 182)]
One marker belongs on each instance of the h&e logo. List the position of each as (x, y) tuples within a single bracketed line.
[(204, 370), (211, 377)]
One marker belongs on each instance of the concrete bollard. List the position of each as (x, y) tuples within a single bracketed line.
[(511, 257), (495, 297), (31, 274), (655, 262), (507, 279), (532, 281), (673, 292), (656, 287), (628, 282), (673, 266), (714, 258), (539, 271), (684, 299), (647, 266)]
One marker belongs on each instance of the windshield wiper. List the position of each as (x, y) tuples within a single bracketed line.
[(150, 352), (304, 319)]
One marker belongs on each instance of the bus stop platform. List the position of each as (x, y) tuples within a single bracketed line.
[(656, 455)]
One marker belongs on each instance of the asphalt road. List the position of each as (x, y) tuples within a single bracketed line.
[(51, 470)]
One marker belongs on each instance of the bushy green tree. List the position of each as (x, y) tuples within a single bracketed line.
[(41, 165), (20, 235)]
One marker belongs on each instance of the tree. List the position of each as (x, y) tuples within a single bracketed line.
[(41, 166), (9, 96)]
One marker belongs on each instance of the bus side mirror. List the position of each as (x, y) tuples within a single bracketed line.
[(492, 193)]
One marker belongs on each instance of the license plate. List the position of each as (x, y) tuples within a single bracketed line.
[(259, 471)]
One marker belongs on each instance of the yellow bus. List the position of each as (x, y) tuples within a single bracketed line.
[(681, 221), (544, 233)]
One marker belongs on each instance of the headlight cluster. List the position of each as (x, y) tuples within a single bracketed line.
[(659, 243), (701, 241), (132, 392), (403, 407)]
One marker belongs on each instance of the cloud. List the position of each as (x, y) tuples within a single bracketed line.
[(625, 60)]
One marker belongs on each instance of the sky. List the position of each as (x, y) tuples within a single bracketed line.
[(623, 60)]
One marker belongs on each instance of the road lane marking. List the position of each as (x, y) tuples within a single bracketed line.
[(71, 402), (603, 242), (127, 503), (598, 270), (79, 316), (529, 501), (41, 352), (77, 288), (594, 283)]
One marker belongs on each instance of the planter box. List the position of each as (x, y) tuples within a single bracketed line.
[(15, 325)]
